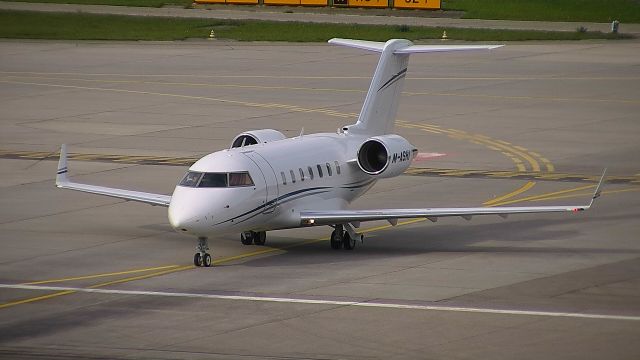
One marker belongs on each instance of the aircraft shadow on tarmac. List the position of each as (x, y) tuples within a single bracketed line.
[(446, 238)]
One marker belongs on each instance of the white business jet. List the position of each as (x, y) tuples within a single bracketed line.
[(266, 181)]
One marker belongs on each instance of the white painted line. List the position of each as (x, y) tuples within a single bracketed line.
[(326, 302)]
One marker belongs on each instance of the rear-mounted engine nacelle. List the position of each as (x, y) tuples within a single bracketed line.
[(385, 156), (256, 137)]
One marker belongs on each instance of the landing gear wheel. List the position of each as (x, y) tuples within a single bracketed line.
[(336, 239), (260, 237), (202, 258), (347, 242), (246, 238), (206, 261), (197, 259)]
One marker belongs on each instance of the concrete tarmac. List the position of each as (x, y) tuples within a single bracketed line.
[(84, 276)]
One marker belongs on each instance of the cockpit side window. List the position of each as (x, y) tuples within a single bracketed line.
[(191, 179), (216, 180), (240, 179), (213, 180)]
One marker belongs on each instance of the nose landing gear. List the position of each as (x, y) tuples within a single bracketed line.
[(202, 258)]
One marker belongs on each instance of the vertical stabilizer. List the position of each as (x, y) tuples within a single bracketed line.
[(378, 113), (379, 110)]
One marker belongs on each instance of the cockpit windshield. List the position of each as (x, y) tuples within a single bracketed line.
[(216, 180)]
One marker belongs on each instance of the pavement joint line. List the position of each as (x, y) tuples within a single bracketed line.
[(522, 153), (414, 171), (312, 301), (305, 77)]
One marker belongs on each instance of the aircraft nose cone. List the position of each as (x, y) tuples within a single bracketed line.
[(177, 220), (182, 217)]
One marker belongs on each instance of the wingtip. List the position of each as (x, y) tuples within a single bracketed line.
[(61, 174), (598, 191)]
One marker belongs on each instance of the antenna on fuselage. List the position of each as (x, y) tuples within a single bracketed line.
[(301, 132)]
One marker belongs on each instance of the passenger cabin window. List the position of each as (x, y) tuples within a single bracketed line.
[(293, 176), (328, 169), (240, 179), (310, 172), (337, 167), (216, 180), (319, 170), (301, 174), (284, 178)]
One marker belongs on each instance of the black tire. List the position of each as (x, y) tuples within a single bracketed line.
[(246, 240), (197, 259), (260, 238), (207, 260), (347, 242), (336, 242)]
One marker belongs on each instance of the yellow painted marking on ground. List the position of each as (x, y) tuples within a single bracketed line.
[(498, 145), (261, 87), (544, 196), (129, 279), (38, 298), (586, 194), (101, 275), (535, 166), (140, 277), (411, 126), (516, 192), (458, 131), (177, 268), (227, 101)]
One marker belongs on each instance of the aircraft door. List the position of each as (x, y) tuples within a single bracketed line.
[(271, 182)]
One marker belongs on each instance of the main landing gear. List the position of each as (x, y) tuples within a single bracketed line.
[(253, 237), (341, 238), (202, 257)]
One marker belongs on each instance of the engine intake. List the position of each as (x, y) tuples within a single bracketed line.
[(385, 156), (256, 137)]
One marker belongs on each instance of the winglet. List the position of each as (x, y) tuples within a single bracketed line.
[(61, 176), (597, 192)]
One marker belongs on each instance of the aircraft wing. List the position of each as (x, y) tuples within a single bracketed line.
[(62, 181), (310, 218)]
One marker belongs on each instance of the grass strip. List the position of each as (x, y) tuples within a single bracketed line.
[(79, 26), (626, 11)]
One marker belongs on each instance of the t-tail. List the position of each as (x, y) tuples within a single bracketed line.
[(378, 113)]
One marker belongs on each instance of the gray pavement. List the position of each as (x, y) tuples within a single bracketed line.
[(560, 107), (276, 13)]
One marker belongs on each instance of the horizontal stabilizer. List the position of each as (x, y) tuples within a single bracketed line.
[(409, 48), (359, 44), (443, 48)]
